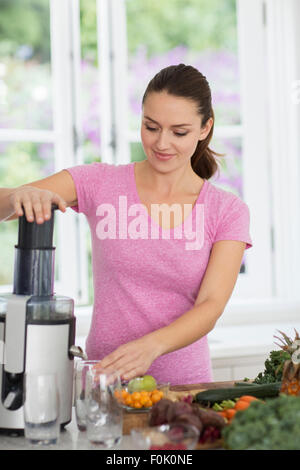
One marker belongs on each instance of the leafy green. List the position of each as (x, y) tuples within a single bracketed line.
[(273, 367), (273, 425)]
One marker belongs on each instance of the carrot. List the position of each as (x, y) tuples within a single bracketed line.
[(241, 405), (230, 413), (248, 398)]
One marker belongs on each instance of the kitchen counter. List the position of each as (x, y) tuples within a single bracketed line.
[(70, 439)]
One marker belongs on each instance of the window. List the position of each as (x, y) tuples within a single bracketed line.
[(37, 124), (70, 81), (240, 62), (26, 139), (157, 39)]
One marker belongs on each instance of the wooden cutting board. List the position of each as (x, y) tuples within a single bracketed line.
[(140, 420), (203, 386)]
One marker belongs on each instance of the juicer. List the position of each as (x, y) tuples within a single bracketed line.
[(37, 328)]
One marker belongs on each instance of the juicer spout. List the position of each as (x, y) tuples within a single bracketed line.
[(76, 351)]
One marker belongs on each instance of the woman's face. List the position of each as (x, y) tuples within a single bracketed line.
[(171, 129)]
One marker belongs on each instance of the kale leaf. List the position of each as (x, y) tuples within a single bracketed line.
[(273, 367)]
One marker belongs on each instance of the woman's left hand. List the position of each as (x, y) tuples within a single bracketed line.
[(132, 359)]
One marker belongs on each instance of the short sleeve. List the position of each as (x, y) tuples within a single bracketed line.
[(87, 179), (234, 223)]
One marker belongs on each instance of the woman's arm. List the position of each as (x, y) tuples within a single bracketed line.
[(134, 358), (36, 198), (216, 288)]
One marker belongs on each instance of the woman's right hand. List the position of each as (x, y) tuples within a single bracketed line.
[(35, 203)]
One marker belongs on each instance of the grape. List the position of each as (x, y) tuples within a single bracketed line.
[(210, 434)]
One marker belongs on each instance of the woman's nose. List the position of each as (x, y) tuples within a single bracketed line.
[(163, 141)]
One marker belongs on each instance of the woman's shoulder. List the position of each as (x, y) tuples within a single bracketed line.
[(223, 198), (224, 207), (229, 215), (111, 167), (95, 170)]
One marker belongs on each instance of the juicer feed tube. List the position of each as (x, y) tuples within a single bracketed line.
[(34, 271)]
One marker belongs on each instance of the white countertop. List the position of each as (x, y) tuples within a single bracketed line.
[(224, 341), (70, 439), (247, 340)]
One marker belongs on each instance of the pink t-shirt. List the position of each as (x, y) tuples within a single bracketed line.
[(143, 280)]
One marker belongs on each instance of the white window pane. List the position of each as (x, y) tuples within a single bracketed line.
[(90, 86), (230, 176), (20, 163), (25, 71)]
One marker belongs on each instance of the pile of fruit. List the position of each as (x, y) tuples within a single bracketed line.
[(139, 400), (141, 392)]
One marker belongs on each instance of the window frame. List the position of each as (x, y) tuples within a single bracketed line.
[(65, 66), (66, 79)]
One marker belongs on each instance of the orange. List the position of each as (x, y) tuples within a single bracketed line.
[(155, 397), (128, 401), (137, 404), (136, 396), (144, 400)]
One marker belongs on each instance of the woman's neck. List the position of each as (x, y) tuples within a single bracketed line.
[(181, 180)]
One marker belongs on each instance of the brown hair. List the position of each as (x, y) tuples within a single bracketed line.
[(187, 82)]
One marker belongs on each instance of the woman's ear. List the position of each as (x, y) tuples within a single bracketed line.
[(205, 130)]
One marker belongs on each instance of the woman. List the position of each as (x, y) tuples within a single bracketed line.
[(157, 293)]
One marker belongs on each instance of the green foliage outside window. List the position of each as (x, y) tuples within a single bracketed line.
[(159, 31)]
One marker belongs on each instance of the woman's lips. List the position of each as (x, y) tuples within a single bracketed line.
[(163, 156)]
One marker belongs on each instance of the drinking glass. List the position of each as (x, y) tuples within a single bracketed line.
[(104, 414), (41, 408), (81, 368)]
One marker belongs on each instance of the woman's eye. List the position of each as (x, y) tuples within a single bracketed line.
[(151, 129), (178, 134), (154, 129)]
